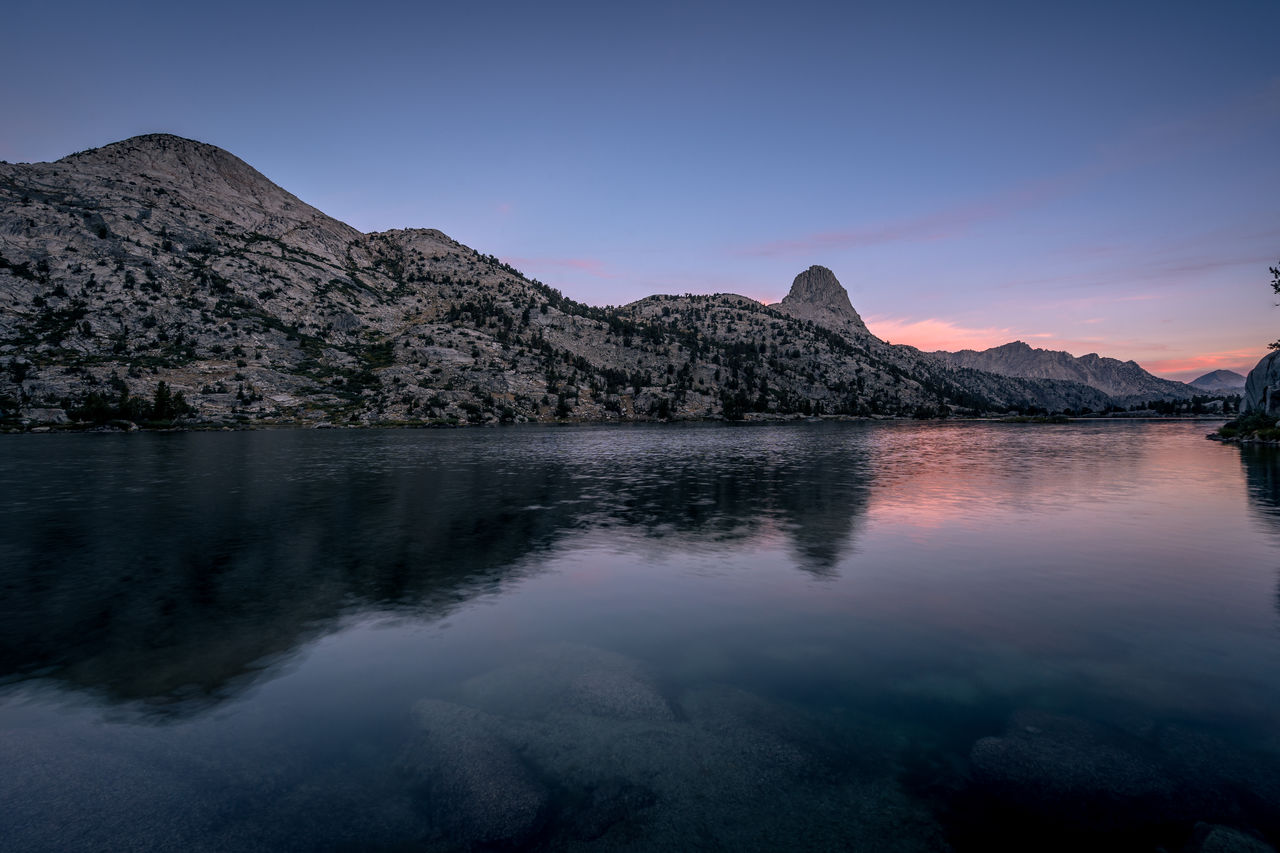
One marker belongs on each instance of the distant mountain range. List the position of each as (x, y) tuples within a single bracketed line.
[(164, 260), (1122, 380), (1219, 382)]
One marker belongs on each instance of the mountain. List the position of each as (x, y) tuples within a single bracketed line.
[(1219, 382), (1123, 380), (165, 260)]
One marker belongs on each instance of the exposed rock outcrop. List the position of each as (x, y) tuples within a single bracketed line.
[(1262, 386), (816, 294)]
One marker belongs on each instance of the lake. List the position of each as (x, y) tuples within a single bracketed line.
[(879, 636)]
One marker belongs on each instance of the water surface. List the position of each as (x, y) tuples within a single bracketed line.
[(823, 636)]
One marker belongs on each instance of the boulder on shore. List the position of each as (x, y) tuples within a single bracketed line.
[(1262, 386)]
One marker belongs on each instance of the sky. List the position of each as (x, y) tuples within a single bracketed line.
[(1088, 176)]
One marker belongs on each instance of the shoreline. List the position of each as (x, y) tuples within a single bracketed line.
[(753, 418)]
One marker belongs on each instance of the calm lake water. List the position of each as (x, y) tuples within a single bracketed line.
[(891, 636)]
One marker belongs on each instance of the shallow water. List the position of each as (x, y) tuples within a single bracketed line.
[(894, 636)]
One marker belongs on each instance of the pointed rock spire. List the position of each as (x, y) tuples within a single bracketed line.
[(817, 295)]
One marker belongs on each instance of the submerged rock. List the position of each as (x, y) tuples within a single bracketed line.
[(476, 787), (570, 679), (1223, 839), (576, 749), (1071, 771), (1137, 780)]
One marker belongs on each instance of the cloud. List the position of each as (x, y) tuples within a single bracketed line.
[(935, 334), (1190, 367), (1210, 128), (590, 266), (1216, 127), (938, 225)]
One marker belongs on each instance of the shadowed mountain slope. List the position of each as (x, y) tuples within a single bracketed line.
[(1119, 379)]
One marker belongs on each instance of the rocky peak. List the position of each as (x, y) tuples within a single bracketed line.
[(174, 159), (206, 179), (816, 294)]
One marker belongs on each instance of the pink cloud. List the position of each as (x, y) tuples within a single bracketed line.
[(1190, 367), (935, 334), (590, 266), (938, 225)]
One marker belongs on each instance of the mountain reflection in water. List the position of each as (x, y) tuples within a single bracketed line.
[(1262, 476), (171, 568), (895, 636)]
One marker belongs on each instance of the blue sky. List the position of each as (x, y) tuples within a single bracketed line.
[(1096, 177)]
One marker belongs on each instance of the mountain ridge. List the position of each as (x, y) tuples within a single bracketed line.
[(160, 259), (1124, 380)]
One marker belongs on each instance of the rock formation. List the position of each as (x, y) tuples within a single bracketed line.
[(1262, 386), (817, 295)]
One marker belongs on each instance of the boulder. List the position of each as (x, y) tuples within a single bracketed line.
[(1262, 386), (475, 786), (1209, 838), (1072, 772), (570, 679)]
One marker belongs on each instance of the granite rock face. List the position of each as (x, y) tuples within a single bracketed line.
[(816, 294), (1261, 386)]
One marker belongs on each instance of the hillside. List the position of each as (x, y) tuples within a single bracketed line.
[(164, 260)]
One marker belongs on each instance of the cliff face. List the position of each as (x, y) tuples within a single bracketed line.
[(1262, 386), (164, 259), (1125, 380)]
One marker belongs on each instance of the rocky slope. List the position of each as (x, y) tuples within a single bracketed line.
[(164, 260), (1219, 382), (1125, 381)]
